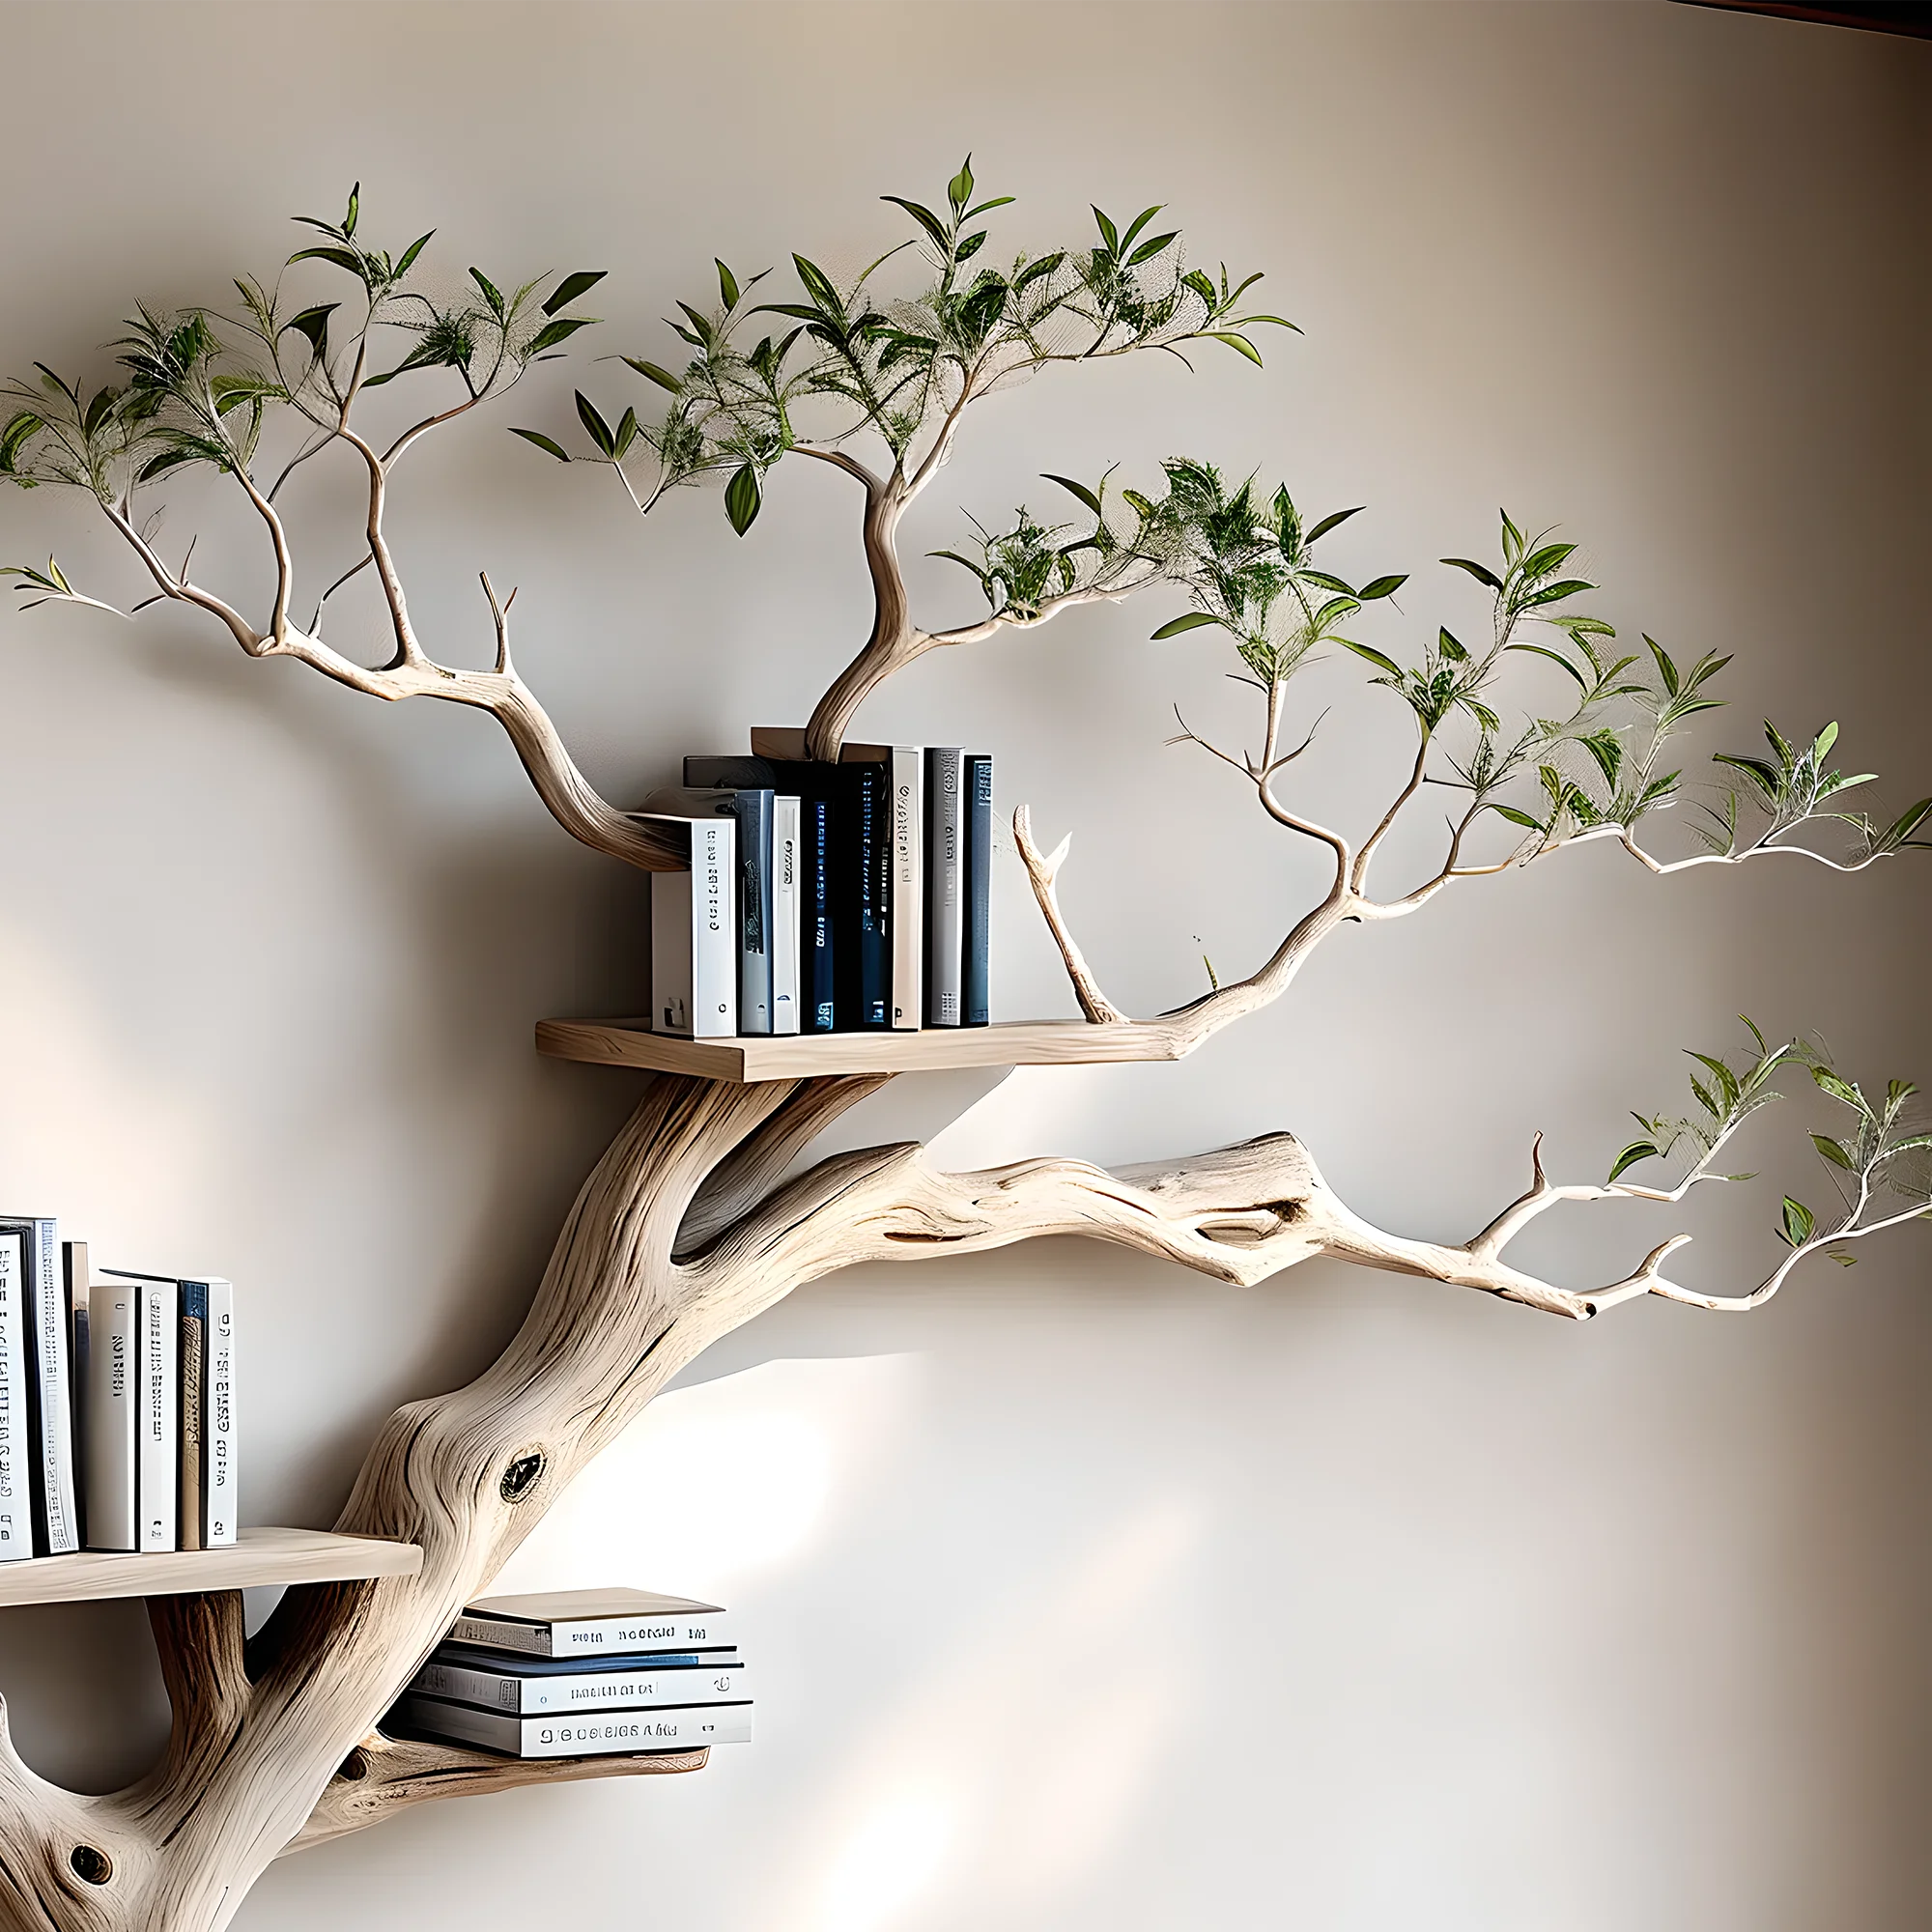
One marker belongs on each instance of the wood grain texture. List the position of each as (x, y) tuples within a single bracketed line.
[(259, 1558), (807, 1056)]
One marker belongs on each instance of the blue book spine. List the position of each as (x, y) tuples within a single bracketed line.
[(975, 938), (873, 807)]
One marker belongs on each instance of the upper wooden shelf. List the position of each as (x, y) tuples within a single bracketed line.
[(258, 1556), (752, 1057)]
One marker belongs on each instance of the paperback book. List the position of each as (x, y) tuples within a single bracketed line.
[(579, 1623), (469, 1674), (590, 1734)]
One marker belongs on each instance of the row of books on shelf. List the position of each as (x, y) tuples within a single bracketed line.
[(582, 1673), (117, 1403), (824, 898)]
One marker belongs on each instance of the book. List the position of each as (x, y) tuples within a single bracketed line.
[(908, 902), (817, 937), (943, 828), (157, 1412), (108, 1425), (188, 1467), (49, 1386), (693, 935), (16, 1507), (592, 1734), (211, 1301), (74, 1277), (577, 1623), (976, 893), (751, 808), (785, 913), (531, 1684)]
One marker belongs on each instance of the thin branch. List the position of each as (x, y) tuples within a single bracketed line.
[(1043, 869)]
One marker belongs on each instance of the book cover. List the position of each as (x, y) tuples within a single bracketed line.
[(567, 1623), (211, 1300), (76, 1278), (592, 1734), (944, 829), (817, 938), (188, 1476), (533, 1685), (907, 916), (693, 936), (785, 913), (49, 1384), (108, 1411), (16, 1508), (157, 1453), (976, 893), (866, 869), (751, 808)]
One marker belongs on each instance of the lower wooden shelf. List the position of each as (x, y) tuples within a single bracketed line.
[(259, 1557), (629, 1042)]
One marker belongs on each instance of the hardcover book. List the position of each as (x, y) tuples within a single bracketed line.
[(211, 1301), (16, 1508), (945, 826), (693, 935), (188, 1484), (589, 1734), (108, 1415), (751, 808), (976, 894), (785, 858), (908, 895), (49, 1386), (577, 1623), (531, 1684), (158, 1452)]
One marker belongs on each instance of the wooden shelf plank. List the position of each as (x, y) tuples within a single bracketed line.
[(260, 1557), (628, 1042)]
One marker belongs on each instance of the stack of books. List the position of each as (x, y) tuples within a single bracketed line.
[(582, 1673), (824, 898), (117, 1403)]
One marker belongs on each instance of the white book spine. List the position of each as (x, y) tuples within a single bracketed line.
[(55, 1391), (111, 1407), (16, 1508), (908, 914), (592, 1735), (785, 913), (220, 1489), (595, 1636), (714, 929), (605, 1690), (157, 1472)]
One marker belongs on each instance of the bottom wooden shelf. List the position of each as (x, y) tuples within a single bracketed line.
[(259, 1557)]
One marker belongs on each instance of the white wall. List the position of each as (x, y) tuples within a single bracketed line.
[(1083, 1592)]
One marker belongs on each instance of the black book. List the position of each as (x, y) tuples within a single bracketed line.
[(863, 870), (976, 893)]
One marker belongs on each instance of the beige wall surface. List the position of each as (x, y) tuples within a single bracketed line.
[(1081, 1593)]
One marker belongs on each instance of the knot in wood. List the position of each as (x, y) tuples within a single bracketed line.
[(522, 1475), (91, 1864)]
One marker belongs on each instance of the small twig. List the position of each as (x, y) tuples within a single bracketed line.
[(1043, 869)]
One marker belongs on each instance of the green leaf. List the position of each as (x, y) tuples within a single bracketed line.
[(1481, 572), (1840, 1090), (1541, 562), (1109, 233), (1148, 250), (1517, 817), (1386, 664), (998, 201), (663, 378), (1193, 621), (409, 254), (1797, 1224), (1139, 222), (818, 286), (553, 332), (169, 459), (543, 443), (1901, 828), (600, 431), (1665, 668), (627, 433), (1240, 342), (1570, 586), (1727, 1081), (1340, 585), (935, 228), (1842, 1259), (1555, 658), (343, 257), (959, 190), (20, 429), (1824, 742), (1608, 750), (312, 324), (1833, 1152), (971, 246), (1765, 777), (355, 202), (1079, 489), (1329, 521), (741, 497), (566, 292), (1382, 586), (1637, 1151)]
